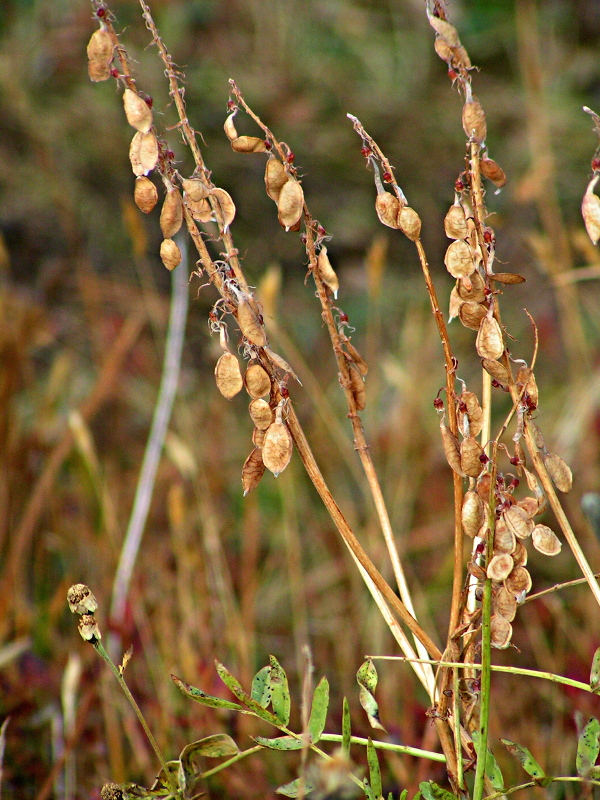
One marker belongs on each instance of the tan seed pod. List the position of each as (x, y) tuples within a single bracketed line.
[(444, 29), (476, 571), (518, 583), (145, 194), (561, 474), (143, 153), (451, 449), (261, 414), (445, 51), (275, 178), (533, 483), (519, 554), (409, 223), (471, 314), (387, 207), (281, 363), (248, 144), (500, 567), (470, 452), (489, 343), (483, 486), (252, 471), (493, 172), (228, 375), (461, 59), (229, 127), (257, 381), (137, 111), (170, 254), (357, 386), (201, 210), (498, 371), (454, 305), (590, 210), (194, 189), (355, 357), (258, 437), (508, 278), (500, 632), (277, 448), (474, 412), (504, 603), (290, 204), (473, 121), (455, 222), (530, 505), (100, 54), (472, 514), (504, 539), (459, 260), (171, 214), (537, 435), (545, 540), (327, 272), (526, 376), (225, 208), (250, 325), (518, 522)]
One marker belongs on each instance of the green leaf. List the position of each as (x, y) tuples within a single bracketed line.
[(390, 796), (370, 794), (280, 743), (367, 680), (318, 711), (280, 692), (432, 791), (235, 687), (594, 774), (261, 689), (588, 747), (374, 770), (346, 730), (216, 746), (200, 697), (291, 789), (161, 782), (595, 673), (403, 794), (528, 762), (492, 770)]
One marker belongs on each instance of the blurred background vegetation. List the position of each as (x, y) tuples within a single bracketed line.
[(81, 283)]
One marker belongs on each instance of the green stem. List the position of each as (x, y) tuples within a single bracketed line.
[(232, 760), (529, 784), (394, 748), (486, 674)]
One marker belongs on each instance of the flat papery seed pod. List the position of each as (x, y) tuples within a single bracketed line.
[(171, 214), (590, 210), (532, 482), (226, 208), (472, 513), (409, 223), (489, 343), (143, 153), (518, 522), (471, 314), (473, 121), (100, 54), (290, 204), (530, 505), (387, 207), (445, 51), (545, 540), (145, 194), (281, 363), (451, 449), (194, 189), (500, 632), (504, 538), (275, 177), (257, 381), (454, 305), (248, 144), (228, 375), (526, 376), (508, 278), (357, 386), (476, 571), (261, 414), (258, 437), (498, 371), (277, 448), (250, 325), (500, 567), (470, 461), (252, 471), (459, 260), (447, 31), (170, 254), (483, 486), (137, 111), (561, 474), (229, 127), (519, 554), (504, 603), (474, 412), (455, 222), (461, 59), (538, 437), (327, 272), (355, 357), (493, 172), (201, 210), (518, 582)]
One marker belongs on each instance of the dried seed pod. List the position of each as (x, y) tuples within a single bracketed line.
[(275, 178), (489, 343), (561, 474), (81, 599), (492, 171), (470, 453), (409, 223), (248, 144), (545, 540), (483, 486), (249, 324), (537, 435), (225, 208), (444, 29), (500, 632), (504, 603), (258, 437), (137, 111), (229, 127), (451, 449), (170, 254), (387, 207), (201, 210), (327, 272), (145, 194), (498, 371), (590, 210), (504, 538), (518, 583), (357, 386), (100, 54), (194, 189), (257, 381), (519, 554), (277, 447), (530, 505), (472, 514), (533, 483), (518, 522), (500, 567), (261, 414), (459, 260), (355, 357), (461, 59), (143, 153), (252, 471), (526, 376), (290, 204), (228, 375), (508, 278), (474, 412), (443, 49), (171, 214), (282, 363), (454, 305), (455, 222), (471, 314), (476, 571), (473, 121)]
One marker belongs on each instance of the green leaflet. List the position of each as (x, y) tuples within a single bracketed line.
[(346, 729), (374, 770), (528, 762), (235, 687), (432, 791), (318, 711), (291, 789), (200, 697), (161, 783), (370, 794), (261, 688), (216, 746), (595, 673), (280, 743), (588, 747), (367, 680), (492, 770), (403, 794), (280, 692)]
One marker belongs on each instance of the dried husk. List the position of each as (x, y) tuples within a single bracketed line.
[(459, 260), (455, 222), (545, 540), (451, 449), (250, 324), (473, 121), (201, 210), (443, 49), (470, 461), (483, 486), (257, 381), (357, 386), (489, 343), (474, 412), (498, 371), (143, 153), (500, 567), (171, 213), (252, 471), (228, 375), (504, 539), (387, 207), (170, 254), (538, 437), (261, 414), (137, 111), (248, 144), (145, 194), (258, 437), (409, 223), (100, 54), (530, 505), (454, 304), (194, 189), (518, 522), (508, 278), (471, 314), (518, 583), (277, 448), (225, 208), (476, 571), (281, 363), (492, 171), (327, 272), (500, 632), (561, 474), (290, 204), (519, 554), (275, 177), (526, 376), (461, 59), (447, 31), (472, 514), (504, 603), (355, 357), (590, 210), (229, 127)]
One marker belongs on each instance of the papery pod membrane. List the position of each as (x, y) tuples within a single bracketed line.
[(248, 144), (545, 540), (171, 213), (228, 375), (472, 289), (258, 437), (504, 603), (500, 567), (530, 506), (473, 121), (281, 362), (474, 412), (498, 371), (508, 278), (472, 513), (519, 554), (261, 414), (561, 474), (492, 171), (194, 189), (454, 305), (504, 538), (476, 571), (500, 632), (277, 448), (356, 358), (518, 522), (257, 381), (226, 208), (483, 485), (526, 376), (471, 314), (252, 471), (489, 343), (455, 222), (100, 54), (443, 49), (249, 324), (201, 210), (290, 204), (327, 272), (145, 194), (275, 177), (537, 435), (459, 260), (143, 153), (590, 210), (451, 449), (461, 58), (447, 31), (470, 461), (229, 127), (409, 223), (518, 582), (357, 385), (137, 111), (387, 207), (170, 254)]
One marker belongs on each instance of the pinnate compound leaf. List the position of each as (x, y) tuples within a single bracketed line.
[(588, 747), (318, 711), (374, 770), (492, 770), (432, 791), (528, 762), (367, 680), (346, 729), (235, 687), (291, 789), (595, 673), (280, 743), (280, 692), (204, 699), (261, 688)]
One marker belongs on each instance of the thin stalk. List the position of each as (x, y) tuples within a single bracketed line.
[(391, 748), (486, 673), (529, 784)]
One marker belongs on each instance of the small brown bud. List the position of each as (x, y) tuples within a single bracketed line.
[(459, 260), (508, 278), (473, 121), (561, 474), (355, 357), (171, 214), (261, 414), (81, 599), (590, 210), (290, 204), (252, 471), (257, 381), (526, 376), (100, 54), (248, 144), (145, 194), (545, 540), (88, 628), (327, 272), (137, 111), (455, 223), (228, 375), (493, 172), (275, 178), (387, 207), (170, 253)]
